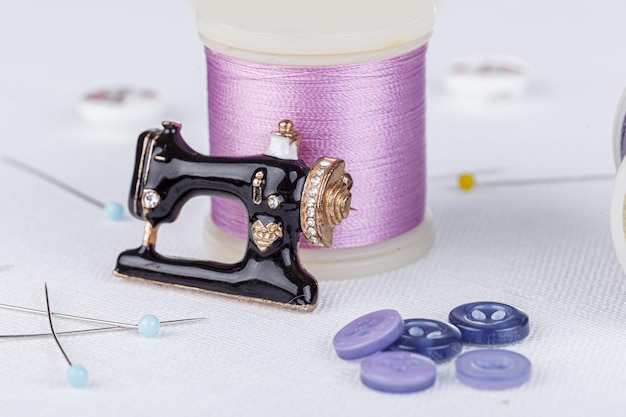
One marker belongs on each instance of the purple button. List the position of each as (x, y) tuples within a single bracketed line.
[(368, 334), (398, 372), (492, 369)]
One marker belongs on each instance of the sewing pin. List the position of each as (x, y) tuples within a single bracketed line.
[(76, 375), (147, 326), (466, 181), (93, 330), (113, 210)]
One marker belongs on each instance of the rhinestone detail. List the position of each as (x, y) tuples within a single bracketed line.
[(151, 199), (273, 202), (313, 226)]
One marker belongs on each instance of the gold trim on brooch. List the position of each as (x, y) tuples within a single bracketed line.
[(264, 236), (257, 187), (142, 172), (149, 235), (300, 307), (325, 201), (286, 129)]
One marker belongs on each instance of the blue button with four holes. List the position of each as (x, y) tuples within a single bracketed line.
[(437, 340), (490, 323)]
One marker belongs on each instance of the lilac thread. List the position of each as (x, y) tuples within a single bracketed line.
[(371, 114)]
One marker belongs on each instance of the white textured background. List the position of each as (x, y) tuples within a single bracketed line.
[(544, 248)]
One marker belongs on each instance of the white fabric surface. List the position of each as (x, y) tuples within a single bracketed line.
[(544, 248)]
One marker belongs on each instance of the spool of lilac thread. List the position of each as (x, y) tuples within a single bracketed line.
[(350, 75), (619, 131), (618, 200)]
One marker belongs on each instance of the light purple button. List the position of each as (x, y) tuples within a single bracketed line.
[(492, 369), (398, 372), (368, 334)]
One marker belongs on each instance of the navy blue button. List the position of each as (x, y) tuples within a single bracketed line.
[(434, 339), (490, 323)]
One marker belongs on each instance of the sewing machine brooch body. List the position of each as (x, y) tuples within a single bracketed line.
[(283, 198)]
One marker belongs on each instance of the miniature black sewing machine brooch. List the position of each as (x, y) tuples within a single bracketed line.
[(283, 197)]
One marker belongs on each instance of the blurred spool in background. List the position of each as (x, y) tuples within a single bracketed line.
[(618, 200), (354, 89)]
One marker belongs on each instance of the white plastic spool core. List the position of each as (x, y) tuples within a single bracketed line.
[(321, 33)]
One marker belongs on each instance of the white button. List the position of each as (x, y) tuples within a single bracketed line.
[(122, 106), (487, 77)]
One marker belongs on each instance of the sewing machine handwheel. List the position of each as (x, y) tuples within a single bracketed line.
[(326, 200)]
